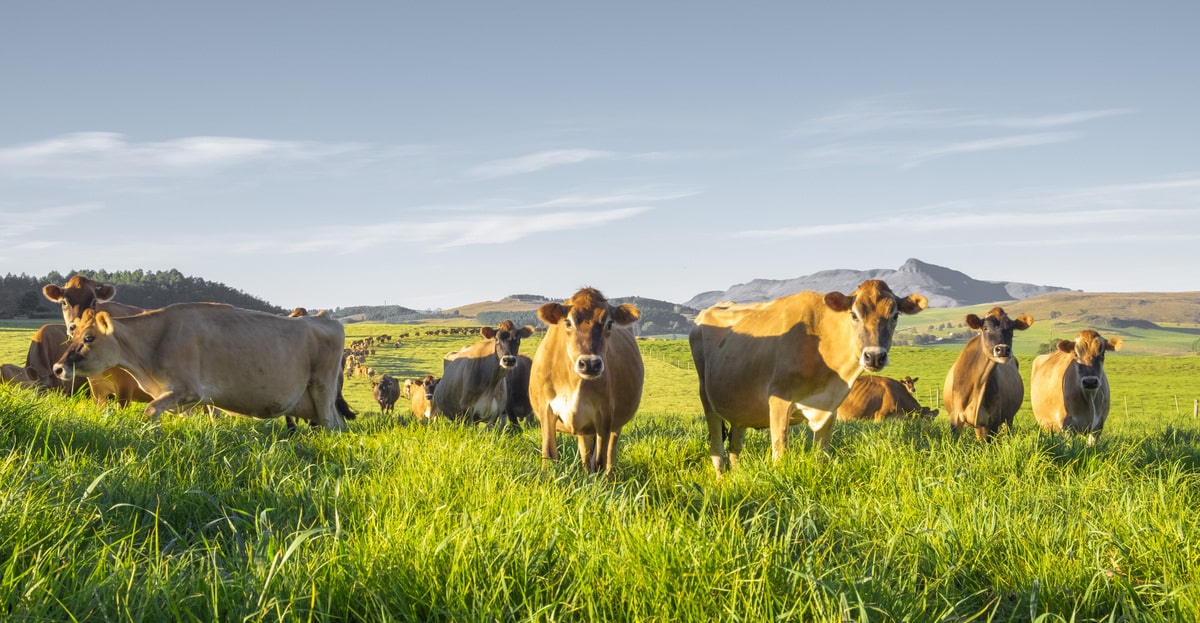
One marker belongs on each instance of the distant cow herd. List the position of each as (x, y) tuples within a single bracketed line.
[(798, 359)]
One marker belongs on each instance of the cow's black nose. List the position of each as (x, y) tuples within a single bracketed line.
[(508, 361), (589, 366), (875, 359), (1001, 350), (1090, 382)]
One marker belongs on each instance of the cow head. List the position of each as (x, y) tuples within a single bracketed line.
[(996, 332), (874, 311), (92, 350), (427, 385), (77, 296), (586, 320), (1087, 351), (910, 383), (507, 338)]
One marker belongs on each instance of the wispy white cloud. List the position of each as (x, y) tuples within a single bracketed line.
[(100, 155), (916, 153), (882, 115), (18, 224), (538, 161)]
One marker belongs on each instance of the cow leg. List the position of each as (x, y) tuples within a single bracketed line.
[(779, 410), (716, 441), (165, 402), (737, 435), (587, 452), (549, 438), (611, 459)]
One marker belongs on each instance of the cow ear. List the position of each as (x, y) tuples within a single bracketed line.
[(487, 332), (838, 302), (1022, 322), (105, 294), (913, 303), (552, 313), (52, 292), (975, 322), (1066, 346), (626, 314), (104, 323), (1114, 343), (525, 331), (914, 379)]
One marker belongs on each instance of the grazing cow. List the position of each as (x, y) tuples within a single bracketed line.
[(1068, 387), (517, 407), (472, 385), (17, 375), (242, 361), (984, 389), (587, 375), (876, 398), (422, 398), (387, 392), (78, 295), (47, 346), (781, 362)]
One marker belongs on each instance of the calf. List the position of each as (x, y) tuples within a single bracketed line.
[(586, 377), (984, 389), (47, 346), (422, 398), (876, 398), (1068, 388)]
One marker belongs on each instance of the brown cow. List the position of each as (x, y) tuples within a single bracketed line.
[(77, 295), (472, 385), (17, 375), (984, 389), (876, 398), (422, 398), (47, 346), (386, 391), (1069, 388), (587, 375), (242, 361), (773, 364)]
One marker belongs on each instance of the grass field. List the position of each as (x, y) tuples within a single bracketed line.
[(104, 517)]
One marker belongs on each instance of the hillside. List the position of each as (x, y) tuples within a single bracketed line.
[(943, 286), (1103, 308)]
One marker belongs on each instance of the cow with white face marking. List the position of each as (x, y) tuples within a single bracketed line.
[(1069, 388)]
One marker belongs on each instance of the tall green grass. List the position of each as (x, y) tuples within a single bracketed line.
[(106, 518)]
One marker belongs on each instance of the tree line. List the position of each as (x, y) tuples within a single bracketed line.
[(21, 295)]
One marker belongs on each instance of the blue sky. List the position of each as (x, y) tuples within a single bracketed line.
[(436, 154)]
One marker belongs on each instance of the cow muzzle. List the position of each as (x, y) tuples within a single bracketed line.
[(589, 366), (874, 358), (1001, 351), (1090, 383), (64, 372), (508, 361)]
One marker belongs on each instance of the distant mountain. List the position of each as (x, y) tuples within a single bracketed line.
[(943, 286)]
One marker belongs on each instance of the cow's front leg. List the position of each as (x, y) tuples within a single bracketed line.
[(737, 435), (164, 402), (780, 408), (587, 451), (549, 439)]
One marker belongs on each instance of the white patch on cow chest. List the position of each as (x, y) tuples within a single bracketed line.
[(569, 412), (491, 403), (824, 402)]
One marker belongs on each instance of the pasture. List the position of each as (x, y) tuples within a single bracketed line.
[(104, 517)]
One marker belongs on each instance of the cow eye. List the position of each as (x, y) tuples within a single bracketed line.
[(853, 315), (568, 324), (608, 325), (89, 338)]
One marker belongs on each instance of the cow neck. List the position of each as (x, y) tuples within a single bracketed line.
[(145, 330), (836, 331), (975, 348)]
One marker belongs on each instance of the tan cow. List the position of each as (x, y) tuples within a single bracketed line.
[(984, 388), (876, 398), (78, 295), (422, 398), (1068, 388), (790, 360), (242, 361), (472, 385), (586, 378), (47, 346)]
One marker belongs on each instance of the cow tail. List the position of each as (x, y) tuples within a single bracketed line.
[(343, 408)]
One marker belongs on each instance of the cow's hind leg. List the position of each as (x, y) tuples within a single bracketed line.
[(737, 435), (587, 451)]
